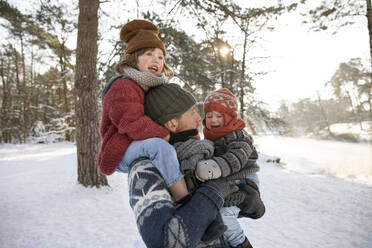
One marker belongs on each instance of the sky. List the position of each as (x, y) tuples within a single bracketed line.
[(299, 61), (302, 61), (42, 205)]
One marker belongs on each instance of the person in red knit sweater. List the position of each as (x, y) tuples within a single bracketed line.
[(125, 129)]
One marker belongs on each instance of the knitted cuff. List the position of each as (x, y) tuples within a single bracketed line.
[(225, 168), (233, 162), (242, 174), (234, 199)]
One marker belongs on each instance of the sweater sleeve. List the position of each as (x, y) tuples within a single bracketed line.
[(126, 110), (238, 153), (159, 222)]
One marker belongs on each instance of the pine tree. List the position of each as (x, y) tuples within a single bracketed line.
[(86, 88)]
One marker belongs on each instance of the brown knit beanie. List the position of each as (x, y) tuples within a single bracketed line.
[(222, 101), (167, 101), (139, 34)]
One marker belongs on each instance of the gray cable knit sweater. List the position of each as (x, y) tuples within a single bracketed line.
[(234, 154)]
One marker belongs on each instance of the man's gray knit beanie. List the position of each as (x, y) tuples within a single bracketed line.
[(167, 101)]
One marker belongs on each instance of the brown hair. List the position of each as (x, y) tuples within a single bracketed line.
[(132, 61)]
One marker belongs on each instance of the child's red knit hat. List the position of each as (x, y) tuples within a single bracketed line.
[(222, 101)]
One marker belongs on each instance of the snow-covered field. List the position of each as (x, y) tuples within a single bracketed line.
[(41, 204)]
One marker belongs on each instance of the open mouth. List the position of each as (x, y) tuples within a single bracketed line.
[(154, 69), (215, 126)]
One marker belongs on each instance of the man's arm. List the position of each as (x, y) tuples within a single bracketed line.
[(160, 223)]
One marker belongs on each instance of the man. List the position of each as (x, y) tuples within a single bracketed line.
[(160, 222)]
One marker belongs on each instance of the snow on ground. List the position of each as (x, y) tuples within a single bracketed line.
[(41, 205)]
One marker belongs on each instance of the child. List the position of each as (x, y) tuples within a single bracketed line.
[(125, 129), (234, 157)]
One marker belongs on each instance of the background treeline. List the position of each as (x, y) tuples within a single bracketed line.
[(351, 103), (37, 60), (36, 70)]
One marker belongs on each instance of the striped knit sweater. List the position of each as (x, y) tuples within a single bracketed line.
[(234, 153)]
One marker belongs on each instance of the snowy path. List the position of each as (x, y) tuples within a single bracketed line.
[(41, 205)]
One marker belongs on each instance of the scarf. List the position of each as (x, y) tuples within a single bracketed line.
[(145, 80), (233, 124)]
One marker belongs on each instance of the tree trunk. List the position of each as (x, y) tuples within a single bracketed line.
[(242, 77), (17, 109), (6, 103), (324, 114), (86, 92), (355, 111), (369, 20), (63, 68), (25, 96), (62, 65)]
